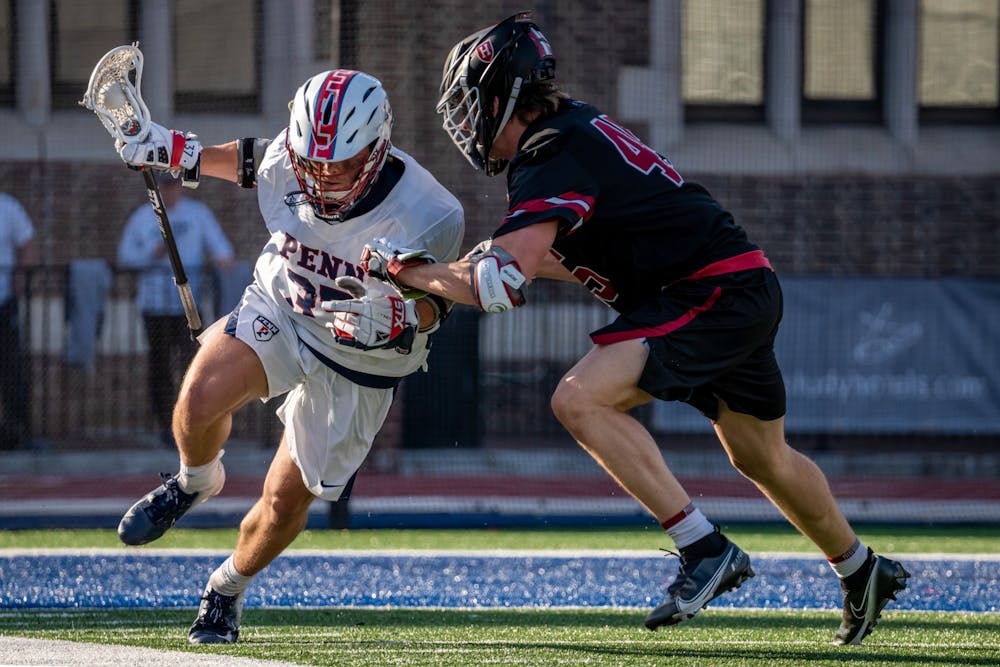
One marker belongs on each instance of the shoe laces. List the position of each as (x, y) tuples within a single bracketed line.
[(684, 569), (219, 608), (167, 500)]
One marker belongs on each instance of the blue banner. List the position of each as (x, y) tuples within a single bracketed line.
[(883, 355)]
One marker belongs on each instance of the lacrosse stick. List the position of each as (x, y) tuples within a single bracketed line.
[(114, 95)]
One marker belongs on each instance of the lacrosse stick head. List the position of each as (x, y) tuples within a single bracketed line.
[(114, 94)]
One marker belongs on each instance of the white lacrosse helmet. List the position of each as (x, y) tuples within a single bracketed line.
[(335, 116)]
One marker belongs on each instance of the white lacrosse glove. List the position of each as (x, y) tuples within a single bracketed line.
[(383, 260), (372, 322), (162, 149)]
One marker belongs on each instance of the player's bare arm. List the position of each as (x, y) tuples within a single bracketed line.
[(528, 247), (553, 269), (220, 161)]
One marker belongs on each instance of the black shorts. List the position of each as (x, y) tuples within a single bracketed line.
[(709, 339)]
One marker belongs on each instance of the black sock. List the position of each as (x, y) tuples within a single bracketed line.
[(860, 578), (709, 546)]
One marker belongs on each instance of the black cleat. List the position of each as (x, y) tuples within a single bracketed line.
[(218, 619), (863, 606), (699, 582), (156, 512)]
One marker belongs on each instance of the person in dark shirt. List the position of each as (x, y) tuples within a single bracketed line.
[(698, 309)]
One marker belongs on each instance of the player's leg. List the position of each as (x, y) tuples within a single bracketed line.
[(330, 423), (789, 479), (592, 401), (276, 518), (798, 488), (225, 375), (269, 527)]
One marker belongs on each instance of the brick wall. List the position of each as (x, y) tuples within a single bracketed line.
[(901, 226)]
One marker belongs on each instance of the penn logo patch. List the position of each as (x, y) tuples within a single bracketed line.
[(485, 51), (263, 329)]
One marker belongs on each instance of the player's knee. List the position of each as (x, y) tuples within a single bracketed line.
[(749, 467), (283, 510), (198, 404), (568, 403), (761, 464)]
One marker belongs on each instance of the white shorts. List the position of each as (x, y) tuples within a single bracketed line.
[(330, 421)]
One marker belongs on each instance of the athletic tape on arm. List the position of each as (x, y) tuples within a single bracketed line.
[(497, 281)]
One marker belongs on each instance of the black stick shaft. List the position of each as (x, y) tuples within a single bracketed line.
[(180, 277)]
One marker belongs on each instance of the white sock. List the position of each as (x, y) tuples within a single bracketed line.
[(227, 581), (691, 528), (850, 561), (206, 480)]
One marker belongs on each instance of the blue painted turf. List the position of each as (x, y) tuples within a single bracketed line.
[(462, 580)]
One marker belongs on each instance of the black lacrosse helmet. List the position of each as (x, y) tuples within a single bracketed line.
[(493, 63)]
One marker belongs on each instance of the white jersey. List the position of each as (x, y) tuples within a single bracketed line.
[(305, 254), (200, 242), (15, 231)]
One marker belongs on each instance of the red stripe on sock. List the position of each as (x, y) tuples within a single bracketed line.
[(847, 554), (677, 518)]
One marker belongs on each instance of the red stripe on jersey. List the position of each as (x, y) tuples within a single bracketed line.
[(661, 330), (581, 205)]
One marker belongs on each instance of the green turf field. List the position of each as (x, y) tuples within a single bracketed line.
[(536, 637), (763, 537)]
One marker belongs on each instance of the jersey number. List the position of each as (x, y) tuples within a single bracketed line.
[(305, 295), (598, 285), (633, 151)]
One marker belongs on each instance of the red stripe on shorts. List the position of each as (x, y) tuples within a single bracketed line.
[(754, 259), (661, 330)]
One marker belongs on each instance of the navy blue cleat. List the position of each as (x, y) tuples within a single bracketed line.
[(156, 512), (698, 582), (218, 619)]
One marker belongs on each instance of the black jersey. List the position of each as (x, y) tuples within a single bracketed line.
[(628, 223)]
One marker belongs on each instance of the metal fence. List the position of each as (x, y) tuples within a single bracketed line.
[(490, 377)]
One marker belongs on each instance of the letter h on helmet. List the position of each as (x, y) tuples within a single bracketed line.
[(493, 63)]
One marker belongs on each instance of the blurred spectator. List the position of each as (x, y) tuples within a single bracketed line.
[(199, 239), (17, 251)]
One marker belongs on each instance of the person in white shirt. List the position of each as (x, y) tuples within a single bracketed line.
[(17, 250), (200, 243), (310, 326)]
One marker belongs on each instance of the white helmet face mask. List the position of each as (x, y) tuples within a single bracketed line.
[(461, 112), (335, 116)]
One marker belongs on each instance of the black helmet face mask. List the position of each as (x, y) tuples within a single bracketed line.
[(482, 80)]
